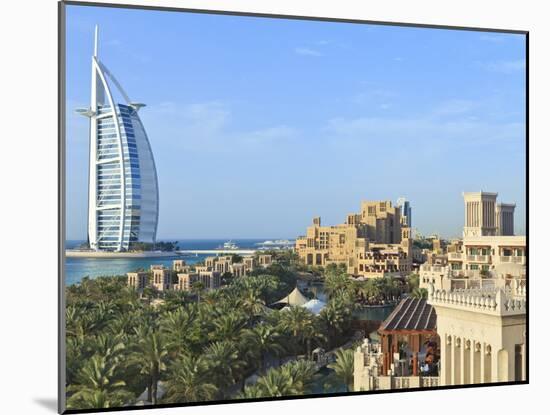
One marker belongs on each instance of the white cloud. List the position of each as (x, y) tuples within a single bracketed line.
[(307, 52), (415, 130), (207, 127)]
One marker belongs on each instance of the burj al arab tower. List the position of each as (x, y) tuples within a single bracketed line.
[(123, 201)]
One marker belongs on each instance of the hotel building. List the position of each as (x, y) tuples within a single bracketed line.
[(488, 252), (372, 243), (477, 298), (123, 200), (406, 211)]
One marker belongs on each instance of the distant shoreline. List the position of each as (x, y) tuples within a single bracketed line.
[(73, 253)]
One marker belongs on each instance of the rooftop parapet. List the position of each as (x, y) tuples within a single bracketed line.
[(497, 302)]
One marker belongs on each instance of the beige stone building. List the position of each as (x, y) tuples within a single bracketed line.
[(186, 281), (489, 255), (484, 217), (483, 334), (162, 278), (371, 243), (179, 265), (137, 280), (265, 260), (223, 264)]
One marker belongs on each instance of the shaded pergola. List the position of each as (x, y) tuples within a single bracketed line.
[(413, 319)]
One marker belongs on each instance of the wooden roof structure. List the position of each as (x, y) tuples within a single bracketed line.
[(411, 315), (413, 318)]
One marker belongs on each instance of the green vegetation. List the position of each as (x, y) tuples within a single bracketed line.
[(343, 368), (371, 291), (188, 347), (158, 246), (295, 378), (423, 243)]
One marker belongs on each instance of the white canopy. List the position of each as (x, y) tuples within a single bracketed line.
[(315, 306), (294, 298)]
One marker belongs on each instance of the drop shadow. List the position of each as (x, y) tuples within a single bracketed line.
[(48, 403)]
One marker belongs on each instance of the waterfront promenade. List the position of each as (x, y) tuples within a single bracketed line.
[(74, 253)]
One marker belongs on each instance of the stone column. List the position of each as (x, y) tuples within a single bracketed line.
[(482, 360), (473, 368), (494, 365), (442, 358), (452, 361), (523, 362), (465, 357)]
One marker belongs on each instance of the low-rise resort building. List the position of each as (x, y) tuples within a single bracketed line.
[(182, 277)]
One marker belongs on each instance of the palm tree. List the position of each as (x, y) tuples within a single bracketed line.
[(228, 327), (251, 303), (94, 399), (176, 326), (343, 367), (224, 363), (261, 340), (337, 283), (332, 317), (251, 392), (197, 288), (277, 382), (189, 381), (110, 347), (302, 373), (150, 356), (301, 323), (98, 374)]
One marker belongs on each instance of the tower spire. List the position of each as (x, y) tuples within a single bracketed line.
[(96, 39)]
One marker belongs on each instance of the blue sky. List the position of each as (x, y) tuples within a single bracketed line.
[(257, 125)]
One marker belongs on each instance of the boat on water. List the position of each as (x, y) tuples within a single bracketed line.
[(229, 245), (274, 245)]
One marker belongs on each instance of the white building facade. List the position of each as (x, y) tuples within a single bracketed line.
[(123, 201)]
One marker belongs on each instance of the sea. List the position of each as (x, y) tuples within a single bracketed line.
[(78, 268)]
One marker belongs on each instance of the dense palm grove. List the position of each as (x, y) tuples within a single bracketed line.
[(185, 347)]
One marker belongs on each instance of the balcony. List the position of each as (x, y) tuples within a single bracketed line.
[(455, 256), (513, 259), (484, 259)]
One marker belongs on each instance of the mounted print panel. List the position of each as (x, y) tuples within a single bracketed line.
[(275, 207)]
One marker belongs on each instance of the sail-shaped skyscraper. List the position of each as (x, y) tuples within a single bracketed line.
[(123, 201)]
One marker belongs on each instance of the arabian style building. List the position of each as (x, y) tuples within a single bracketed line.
[(209, 275), (489, 253), (483, 334), (372, 243), (476, 306), (407, 355), (123, 201)]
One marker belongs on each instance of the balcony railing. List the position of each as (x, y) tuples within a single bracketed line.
[(478, 258), (455, 255), (429, 381), (513, 259)]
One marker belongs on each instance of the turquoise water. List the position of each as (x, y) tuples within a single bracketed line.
[(78, 268)]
